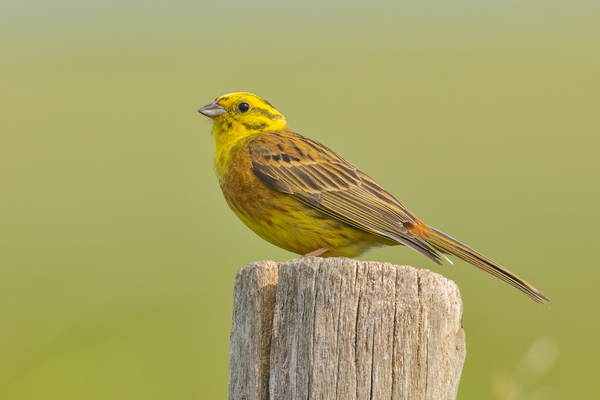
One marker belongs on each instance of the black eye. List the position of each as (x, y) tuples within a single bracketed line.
[(243, 107)]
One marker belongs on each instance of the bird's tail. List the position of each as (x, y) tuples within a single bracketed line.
[(445, 244)]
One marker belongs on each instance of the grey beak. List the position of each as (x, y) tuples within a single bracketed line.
[(212, 110)]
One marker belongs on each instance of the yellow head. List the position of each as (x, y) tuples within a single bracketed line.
[(238, 115)]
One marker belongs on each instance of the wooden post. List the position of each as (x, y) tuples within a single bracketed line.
[(337, 328)]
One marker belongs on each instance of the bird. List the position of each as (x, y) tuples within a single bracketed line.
[(300, 195)]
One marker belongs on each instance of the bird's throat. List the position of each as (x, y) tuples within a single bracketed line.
[(227, 139)]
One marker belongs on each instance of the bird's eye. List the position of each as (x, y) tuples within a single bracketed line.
[(243, 107)]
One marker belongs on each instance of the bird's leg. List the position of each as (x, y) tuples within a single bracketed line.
[(315, 253)]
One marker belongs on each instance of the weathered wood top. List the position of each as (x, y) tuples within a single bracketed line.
[(337, 328)]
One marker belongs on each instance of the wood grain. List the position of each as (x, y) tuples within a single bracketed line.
[(345, 329), (252, 322)]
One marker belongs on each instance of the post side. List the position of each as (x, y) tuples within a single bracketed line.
[(345, 329)]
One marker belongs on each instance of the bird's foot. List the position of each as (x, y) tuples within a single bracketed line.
[(315, 253)]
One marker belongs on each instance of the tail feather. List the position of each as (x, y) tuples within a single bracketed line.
[(445, 244)]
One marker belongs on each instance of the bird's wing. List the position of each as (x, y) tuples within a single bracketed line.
[(318, 177)]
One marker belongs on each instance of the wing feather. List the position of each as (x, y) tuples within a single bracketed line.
[(318, 177)]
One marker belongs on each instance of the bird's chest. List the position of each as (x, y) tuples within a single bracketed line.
[(274, 216), (246, 195)]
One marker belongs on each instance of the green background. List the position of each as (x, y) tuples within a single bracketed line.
[(118, 252)]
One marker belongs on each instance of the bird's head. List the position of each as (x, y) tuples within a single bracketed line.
[(242, 114)]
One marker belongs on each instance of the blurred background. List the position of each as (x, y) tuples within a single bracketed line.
[(118, 253)]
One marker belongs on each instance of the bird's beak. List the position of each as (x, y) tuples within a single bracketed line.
[(212, 110)]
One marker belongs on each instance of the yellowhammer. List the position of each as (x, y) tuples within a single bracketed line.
[(299, 195)]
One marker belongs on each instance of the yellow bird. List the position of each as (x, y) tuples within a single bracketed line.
[(301, 196)]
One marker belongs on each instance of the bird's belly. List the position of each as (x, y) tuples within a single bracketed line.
[(290, 224)]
